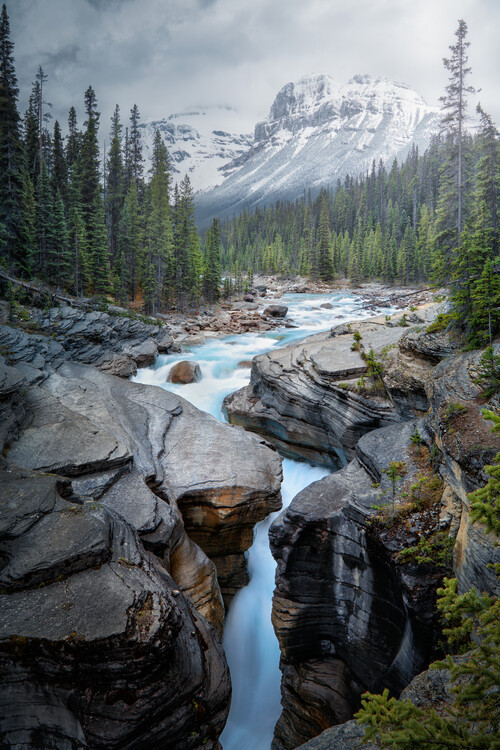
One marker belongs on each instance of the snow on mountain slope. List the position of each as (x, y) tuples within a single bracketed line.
[(199, 142), (318, 131)]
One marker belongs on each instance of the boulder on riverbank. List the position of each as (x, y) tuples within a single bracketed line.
[(185, 372)]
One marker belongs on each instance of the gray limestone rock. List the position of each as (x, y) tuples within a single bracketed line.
[(342, 596), (98, 647), (297, 399)]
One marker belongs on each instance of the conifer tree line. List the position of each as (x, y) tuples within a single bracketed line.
[(433, 218), (90, 231), (395, 225), (119, 231)]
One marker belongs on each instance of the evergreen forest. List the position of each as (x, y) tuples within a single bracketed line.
[(92, 227)]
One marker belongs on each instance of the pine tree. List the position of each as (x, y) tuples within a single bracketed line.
[(211, 267), (89, 161), (78, 250), (59, 174), (43, 117), (455, 110), (131, 237), (98, 255), (11, 150), (31, 135), (90, 199), (487, 192), (135, 158), (28, 248), (186, 243), (58, 260), (44, 219), (158, 261), (73, 142), (115, 184), (324, 264)]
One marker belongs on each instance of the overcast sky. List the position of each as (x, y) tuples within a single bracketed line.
[(169, 55)]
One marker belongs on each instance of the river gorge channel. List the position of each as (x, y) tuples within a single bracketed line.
[(250, 643)]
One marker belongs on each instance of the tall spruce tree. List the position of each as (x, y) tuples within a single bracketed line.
[(73, 142), (115, 184), (11, 151), (451, 212), (59, 172), (455, 108), (31, 135), (44, 219), (324, 262), (89, 161), (211, 265), (186, 244), (135, 159), (90, 198), (158, 261), (131, 238)]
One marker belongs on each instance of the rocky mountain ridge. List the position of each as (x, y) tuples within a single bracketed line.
[(200, 143), (317, 132)]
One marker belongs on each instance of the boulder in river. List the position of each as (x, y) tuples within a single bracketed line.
[(185, 372), (276, 311)]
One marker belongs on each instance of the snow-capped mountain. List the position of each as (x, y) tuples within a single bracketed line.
[(199, 142), (318, 131)]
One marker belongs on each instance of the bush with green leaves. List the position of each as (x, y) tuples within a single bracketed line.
[(436, 550), (441, 323), (416, 437)]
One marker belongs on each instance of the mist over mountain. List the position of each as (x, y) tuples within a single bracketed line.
[(200, 141), (317, 131)]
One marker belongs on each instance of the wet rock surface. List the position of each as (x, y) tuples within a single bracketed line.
[(185, 372), (299, 399), (350, 613), (114, 342), (111, 613), (431, 688), (344, 604), (98, 649)]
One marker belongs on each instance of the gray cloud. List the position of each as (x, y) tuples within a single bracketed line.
[(166, 55)]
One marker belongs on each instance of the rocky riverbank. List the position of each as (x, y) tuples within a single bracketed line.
[(353, 610), (126, 519), (316, 399)]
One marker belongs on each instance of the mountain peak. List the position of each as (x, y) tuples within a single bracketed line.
[(317, 131)]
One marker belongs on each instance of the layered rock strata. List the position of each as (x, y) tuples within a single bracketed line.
[(314, 399), (432, 688), (113, 343), (348, 614), (111, 611)]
